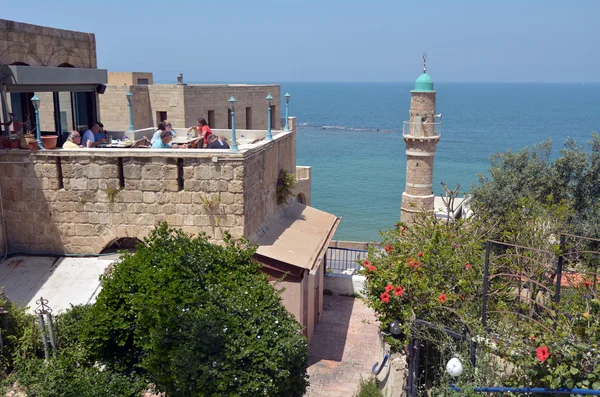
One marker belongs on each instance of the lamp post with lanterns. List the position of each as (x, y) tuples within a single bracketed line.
[(129, 97), (287, 111), (35, 100), (232, 102), (269, 133)]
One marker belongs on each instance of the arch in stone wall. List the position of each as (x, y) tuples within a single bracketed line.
[(301, 198), (65, 65), (109, 236), (18, 53), (20, 64)]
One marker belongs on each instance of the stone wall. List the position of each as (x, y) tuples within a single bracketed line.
[(199, 99), (79, 201), (43, 46), (185, 104), (128, 78)]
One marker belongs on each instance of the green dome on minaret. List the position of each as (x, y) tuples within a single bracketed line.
[(424, 82)]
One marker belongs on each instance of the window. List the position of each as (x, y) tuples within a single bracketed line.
[(229, 118), (142, 81), (160, 117), (248, 118), (211, 119)]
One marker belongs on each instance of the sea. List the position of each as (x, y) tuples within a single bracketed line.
[(351, 136)]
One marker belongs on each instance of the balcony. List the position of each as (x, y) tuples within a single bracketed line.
[(422, 130)]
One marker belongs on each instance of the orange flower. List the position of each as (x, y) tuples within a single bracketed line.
[(389, 287), (371, 268), (442, 298), (366, 262), (385, 297), (399, 291)]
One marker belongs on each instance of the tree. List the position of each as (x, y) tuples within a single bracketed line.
[(198, 319), (571, 178)]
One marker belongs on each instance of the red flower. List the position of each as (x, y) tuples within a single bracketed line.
[(468, 266), (399, 291), (403, 229), (366, 262), (385, 298), (542, 353), (389, 248), (420, 254), (442, 298), (371, 268), (588, 283), (396, 225), (389, 287)]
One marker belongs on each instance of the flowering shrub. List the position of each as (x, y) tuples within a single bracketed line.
[(425, 271)]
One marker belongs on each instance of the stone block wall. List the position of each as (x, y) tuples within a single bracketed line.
[(81, 201), (43, 46), (185, 104), (199, 99)]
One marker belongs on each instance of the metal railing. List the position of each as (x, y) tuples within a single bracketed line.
[(422, 130), (340, 259)]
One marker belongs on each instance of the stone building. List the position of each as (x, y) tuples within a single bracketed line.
[(82, 201), (182, 104), (421, 135)]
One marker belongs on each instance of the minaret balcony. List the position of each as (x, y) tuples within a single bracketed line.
[(424, 130)]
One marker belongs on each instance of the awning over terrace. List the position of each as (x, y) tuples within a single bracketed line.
[(19, 78)]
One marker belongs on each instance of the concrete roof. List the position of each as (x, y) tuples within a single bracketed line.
[(63, 281), (298, 236)]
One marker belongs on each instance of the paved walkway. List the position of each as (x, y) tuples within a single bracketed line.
[(344, 347)]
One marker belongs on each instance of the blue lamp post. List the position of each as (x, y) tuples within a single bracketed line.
[(129, 96), (269, 133), (287, 111), (232, 102), (35, 100)]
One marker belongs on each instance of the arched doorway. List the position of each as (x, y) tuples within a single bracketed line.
[(122, 244), (301, 198)]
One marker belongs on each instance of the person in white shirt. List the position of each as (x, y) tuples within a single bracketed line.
[(88, 139)]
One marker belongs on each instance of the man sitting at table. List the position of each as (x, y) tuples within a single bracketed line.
[(88, 139), (217, 142), (165, 141), (73, 141)]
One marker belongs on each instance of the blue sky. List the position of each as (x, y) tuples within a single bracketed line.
[(320, 40)]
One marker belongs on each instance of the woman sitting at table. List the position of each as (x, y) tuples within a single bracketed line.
[(165, 141), (73, 141), (203, 132), (163, 126)]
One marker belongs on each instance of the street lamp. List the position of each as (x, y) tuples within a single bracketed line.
[(35, 100), (129, 96), (269, 133), (287, 111), (454, 367), (232, 102)]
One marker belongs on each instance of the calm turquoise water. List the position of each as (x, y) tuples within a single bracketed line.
[(359, 173)]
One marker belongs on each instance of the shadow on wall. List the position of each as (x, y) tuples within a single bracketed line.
[(329, 340)]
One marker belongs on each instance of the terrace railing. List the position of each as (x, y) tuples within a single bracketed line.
[(341, 259), (422, 130)]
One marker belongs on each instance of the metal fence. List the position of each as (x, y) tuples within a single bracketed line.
[(338, 260)]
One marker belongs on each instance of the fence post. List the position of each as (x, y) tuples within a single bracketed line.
[(486, 273)]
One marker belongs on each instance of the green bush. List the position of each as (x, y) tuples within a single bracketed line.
[(198, 319), (368, 388)]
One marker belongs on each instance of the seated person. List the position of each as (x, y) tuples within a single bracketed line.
[(88, 139), (162, 126), (101, 133), (217, 142), (165, 141), (73, 141), (203, 131)]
